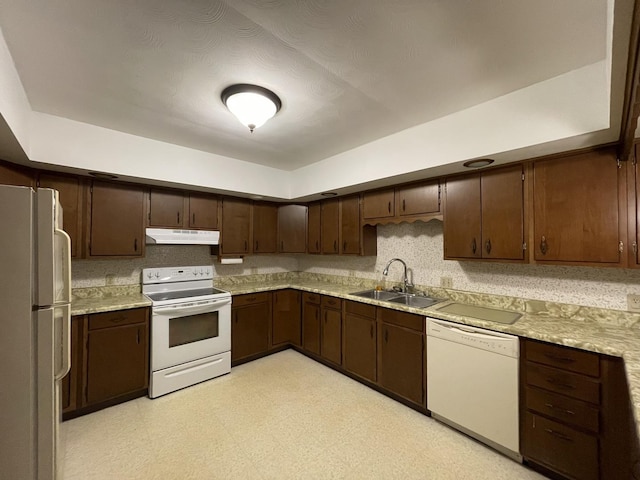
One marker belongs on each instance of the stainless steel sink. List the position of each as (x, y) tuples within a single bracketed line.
[(376, 294), (409, 300), (415, 301)]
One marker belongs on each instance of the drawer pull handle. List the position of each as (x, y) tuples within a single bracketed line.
[(560, 359), (559, 409), (560, 384), (558, 434)]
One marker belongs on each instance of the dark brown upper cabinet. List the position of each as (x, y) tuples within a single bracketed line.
[(314, 228), (330, 230), (579, 209), (484, 215), (292, 229), (11, 174), (116, 219), (236, 226), (405, 203), (265, 227), (350, 225), (71, 198), (203, 212), (166, 208)]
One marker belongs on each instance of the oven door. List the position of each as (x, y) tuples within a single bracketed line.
[(186, 332)]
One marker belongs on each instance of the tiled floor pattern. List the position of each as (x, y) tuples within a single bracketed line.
[(280, 417)]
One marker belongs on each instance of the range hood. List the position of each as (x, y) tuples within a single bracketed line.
[(168, 236)]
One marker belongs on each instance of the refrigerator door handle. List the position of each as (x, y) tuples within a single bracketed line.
[(65, 351), (63, 254)]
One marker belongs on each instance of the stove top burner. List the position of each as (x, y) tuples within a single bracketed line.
[(183, 294)]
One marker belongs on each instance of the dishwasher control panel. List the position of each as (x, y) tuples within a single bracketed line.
[(488, 340)]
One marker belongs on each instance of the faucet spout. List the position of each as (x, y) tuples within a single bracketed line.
[(407, 283)]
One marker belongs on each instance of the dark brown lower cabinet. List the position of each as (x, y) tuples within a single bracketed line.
[(360, 334), (311, 322), (250, 325), (109, 360), (401, 354), (286, 318), (577, 418), (331, 330)]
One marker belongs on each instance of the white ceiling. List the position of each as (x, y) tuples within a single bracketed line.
[(348, 72)]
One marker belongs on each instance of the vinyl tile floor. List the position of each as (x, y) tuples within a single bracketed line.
[(284, 416)]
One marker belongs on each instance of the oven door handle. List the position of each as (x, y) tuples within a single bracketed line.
[(176, 309)]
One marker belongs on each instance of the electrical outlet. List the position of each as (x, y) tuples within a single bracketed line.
[(633, 302), (446, 282), (110, 279), (254, 270)]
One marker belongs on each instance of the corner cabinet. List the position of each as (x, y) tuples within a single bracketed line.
[(115, 217), (286, 318), (311, 322), (484, 215), (236, 227), (580, 209), (292, 229)]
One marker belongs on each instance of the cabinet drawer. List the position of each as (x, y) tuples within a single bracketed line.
[(117, 318), (561, 448), (250, 299), (565, 409), (331, 302), (402, 319), (565, 383), (565, 358), (361, 309), (308, 297)]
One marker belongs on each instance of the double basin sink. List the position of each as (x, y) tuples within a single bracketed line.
[(407, 299), (496, 315)]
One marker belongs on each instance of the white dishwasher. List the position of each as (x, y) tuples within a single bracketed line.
[(472, 383)]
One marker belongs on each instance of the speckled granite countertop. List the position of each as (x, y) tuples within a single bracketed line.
[(610, 332)]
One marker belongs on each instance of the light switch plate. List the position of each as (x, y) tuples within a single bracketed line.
[(446, 282), (633, 302)]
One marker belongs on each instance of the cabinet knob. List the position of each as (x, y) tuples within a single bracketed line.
[(389, 207), (178, 220), (335, 245), (473, 245), (317, 245), (193, 218), (543, 245), (404, 205), (246, 245), (135, 244), (344, 246), (487, 246), (386, 335), (256, 246)]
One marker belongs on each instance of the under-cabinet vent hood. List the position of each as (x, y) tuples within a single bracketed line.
[(168, 236)]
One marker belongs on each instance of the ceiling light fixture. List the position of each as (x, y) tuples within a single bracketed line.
[(251, 104), (328, 194), (483, 162)]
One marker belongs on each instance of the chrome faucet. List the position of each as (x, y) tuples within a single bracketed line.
[(407, 283)]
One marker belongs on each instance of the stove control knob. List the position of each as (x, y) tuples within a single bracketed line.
[(149, 274), (157, 274)]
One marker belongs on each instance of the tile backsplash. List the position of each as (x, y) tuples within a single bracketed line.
[(419, 244)]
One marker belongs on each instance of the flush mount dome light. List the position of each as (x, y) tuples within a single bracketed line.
[(251, 104), (482, 162)]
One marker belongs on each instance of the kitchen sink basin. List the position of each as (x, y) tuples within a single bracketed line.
[(505, 317), (409, 300), (376, 294), (414, 301)]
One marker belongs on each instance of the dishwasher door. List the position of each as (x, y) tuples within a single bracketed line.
[(472, 383)]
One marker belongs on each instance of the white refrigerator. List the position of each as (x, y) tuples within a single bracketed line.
[(35, 295)]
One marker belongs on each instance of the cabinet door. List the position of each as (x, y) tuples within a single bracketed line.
[(203, 212), (360, 346), (331, 335), (419, 199), (116, 362), (314, 228), (116, 220), (166, 208), (350, 225), (236, 224), (400, 368), (15, 175), (330, 231), (292, 229), (71, 200), (378, 204), (265, 228), (462, 218), (286, 318), (70, 382), (311, 327), (250, 330), (503, 214), (576, 208)]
